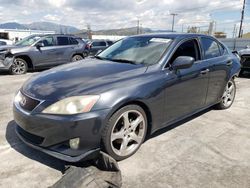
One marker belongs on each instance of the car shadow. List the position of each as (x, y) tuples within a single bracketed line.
[(31, 153), (177, 124)]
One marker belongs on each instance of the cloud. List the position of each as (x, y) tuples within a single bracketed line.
[(25, 12), (106, 14), (51, 17)]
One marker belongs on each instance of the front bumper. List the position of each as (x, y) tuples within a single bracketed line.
[(6, 63), (51, 134)]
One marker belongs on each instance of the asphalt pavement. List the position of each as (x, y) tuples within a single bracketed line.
[(210, 149)]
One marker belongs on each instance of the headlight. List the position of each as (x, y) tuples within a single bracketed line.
[(72, 105)]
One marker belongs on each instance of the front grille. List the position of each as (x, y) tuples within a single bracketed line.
[(28, 103), (30, 137), (245, 60)]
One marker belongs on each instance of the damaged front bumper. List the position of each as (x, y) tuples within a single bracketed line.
[(5, 63)]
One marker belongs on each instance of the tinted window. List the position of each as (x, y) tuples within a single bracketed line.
[(210, 47), (73, 41), (48, 41), (99, 43), (62, 41), (222, 49), (2, 43), (188, 48)]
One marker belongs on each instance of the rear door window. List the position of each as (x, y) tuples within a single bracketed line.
[(210, 48), (61, 41)]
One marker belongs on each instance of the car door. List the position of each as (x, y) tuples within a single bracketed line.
[(63, 49), (45, 55), (220, 62), (187, 88)]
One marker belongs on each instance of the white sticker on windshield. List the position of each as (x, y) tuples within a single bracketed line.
[(162, 40)]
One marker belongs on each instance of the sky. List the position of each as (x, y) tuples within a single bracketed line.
[(111, 14)]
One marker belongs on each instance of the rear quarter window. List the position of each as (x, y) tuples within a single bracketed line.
[(73, 41), (210, 48)]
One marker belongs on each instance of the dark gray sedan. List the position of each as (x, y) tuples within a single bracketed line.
[(132, 89)]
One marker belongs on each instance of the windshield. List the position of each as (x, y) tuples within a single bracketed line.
[(28, 41), (137, 50)]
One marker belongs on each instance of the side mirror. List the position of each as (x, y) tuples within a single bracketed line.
[(183, 62), (39, 44)]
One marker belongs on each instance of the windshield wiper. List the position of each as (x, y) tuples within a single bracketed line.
[(124, 61)]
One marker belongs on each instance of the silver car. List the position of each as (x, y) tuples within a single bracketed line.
[(39, 52)]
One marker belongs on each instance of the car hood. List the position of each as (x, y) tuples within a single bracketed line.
[(12, 48), (79, 78)]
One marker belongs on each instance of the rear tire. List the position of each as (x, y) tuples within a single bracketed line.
[(76, 58), (19, 66), (228, 96), (125, 132)]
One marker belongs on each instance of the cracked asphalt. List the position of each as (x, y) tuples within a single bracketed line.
[(210, 149)]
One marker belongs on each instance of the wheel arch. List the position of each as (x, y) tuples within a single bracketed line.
[(76, 53), (27, 59)]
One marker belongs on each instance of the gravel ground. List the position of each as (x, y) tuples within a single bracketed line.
[(211, 149)]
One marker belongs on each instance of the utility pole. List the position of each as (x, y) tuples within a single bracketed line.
[(173, 14), (138, 27), (89, 31), (242, 18), (234, 31)]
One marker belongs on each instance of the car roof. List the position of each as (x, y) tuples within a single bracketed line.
[(63, 35), (174, 35)]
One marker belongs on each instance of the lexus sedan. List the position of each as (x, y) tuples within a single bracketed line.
[(130, 90)]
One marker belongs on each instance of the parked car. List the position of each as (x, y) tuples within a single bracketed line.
[(244, 59), (132, 89), (96, 46), (4, 42), (41, 51)]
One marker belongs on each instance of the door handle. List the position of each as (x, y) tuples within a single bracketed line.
[(229, 63), (205, 71)]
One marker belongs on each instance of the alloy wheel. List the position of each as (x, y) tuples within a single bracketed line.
[(77, 58), (128, 133), (229, 93), (18, 66)]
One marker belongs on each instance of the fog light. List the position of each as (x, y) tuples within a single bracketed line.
[(74, 143)]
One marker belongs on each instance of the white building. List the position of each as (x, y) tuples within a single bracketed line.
[(18, 34), (108, 37)]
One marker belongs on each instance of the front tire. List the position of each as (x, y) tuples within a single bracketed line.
[(125, 132), (18, 67), (228, 95)]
